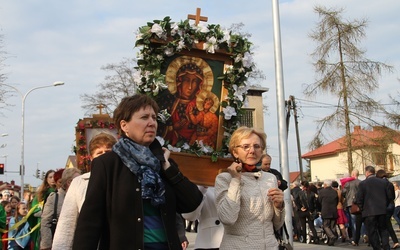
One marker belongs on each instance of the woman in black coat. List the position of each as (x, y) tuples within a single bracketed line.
[(135, 190)]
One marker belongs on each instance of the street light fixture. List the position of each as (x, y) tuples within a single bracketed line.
[(4, 135), (23, 96)]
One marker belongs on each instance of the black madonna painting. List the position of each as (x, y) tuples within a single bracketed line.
[(192, 100)]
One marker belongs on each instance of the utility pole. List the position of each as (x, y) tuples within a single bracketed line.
[(296, 124)]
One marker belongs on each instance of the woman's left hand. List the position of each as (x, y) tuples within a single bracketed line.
[(276, 195), (167, 153)]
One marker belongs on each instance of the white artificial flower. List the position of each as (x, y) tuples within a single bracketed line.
[(226, 37), (229, 112), (160, 85), (186, 146), (247, 60), (238, 58), (201, 28), (174, 29), (160, 57), (160, 140), (157, 29), (211, 45), (173, 149), (163, 116), (229, 68), (240, 92), (169, 51), (181, 44), (139, 36), (137, 78)]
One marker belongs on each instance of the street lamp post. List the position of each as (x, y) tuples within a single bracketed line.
[(23, 96)]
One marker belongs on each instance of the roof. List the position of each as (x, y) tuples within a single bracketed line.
[(360, 138), (293, 176)]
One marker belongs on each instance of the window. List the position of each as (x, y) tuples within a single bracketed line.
[(379, 159), (247, 119)]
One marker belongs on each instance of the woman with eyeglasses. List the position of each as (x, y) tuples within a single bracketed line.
[(249, 203)]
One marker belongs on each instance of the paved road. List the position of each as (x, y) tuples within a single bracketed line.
[(302, 246)]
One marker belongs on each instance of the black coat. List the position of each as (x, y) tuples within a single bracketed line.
[(373, 196), (113, 209), (328, 198), (307, 200)]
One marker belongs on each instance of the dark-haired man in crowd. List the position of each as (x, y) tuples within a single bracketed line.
[(373, 197)]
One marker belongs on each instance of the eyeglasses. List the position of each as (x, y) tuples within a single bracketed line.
[(246, 147)]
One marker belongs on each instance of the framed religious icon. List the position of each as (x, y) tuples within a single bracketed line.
[(197, 75), (85, 130), (193, 100)]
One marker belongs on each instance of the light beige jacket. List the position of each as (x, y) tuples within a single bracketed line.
[(248, 215)]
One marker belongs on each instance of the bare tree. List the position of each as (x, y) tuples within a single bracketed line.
[(115, 86), (393, 115), (4, 92), (344, 72)]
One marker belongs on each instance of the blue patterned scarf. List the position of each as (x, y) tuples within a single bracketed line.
[(142, 162)]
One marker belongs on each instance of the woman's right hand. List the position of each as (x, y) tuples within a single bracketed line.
[(167, 153), (235, 170)]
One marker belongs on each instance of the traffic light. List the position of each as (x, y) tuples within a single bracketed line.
[(43, 175), (1, 168), (37, 173)]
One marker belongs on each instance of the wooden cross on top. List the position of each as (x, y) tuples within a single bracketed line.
[(197, 17), (100, 107)]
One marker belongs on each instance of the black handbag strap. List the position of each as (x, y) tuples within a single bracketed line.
[(54, 220)]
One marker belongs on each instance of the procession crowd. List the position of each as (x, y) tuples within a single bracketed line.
[(135, 197)]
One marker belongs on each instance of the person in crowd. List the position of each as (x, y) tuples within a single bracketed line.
[(296, 220), (210, 231), (135, 190), (7, 210), (57, 177), (396, 203), (48, 186), (266, 160), (14, 200), (306, 203), (341, 220), (249, 203), (349, 192), (64, 235), (390, 208), (3, 224), (5, 195), (328, 198), (373, 198), (346, 178), (55, 201), (15, 241)]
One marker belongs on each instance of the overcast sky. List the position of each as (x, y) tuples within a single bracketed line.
[(69, 41)]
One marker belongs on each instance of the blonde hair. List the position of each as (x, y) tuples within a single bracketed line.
[(244, 133)]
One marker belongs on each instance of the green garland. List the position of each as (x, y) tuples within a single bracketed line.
[(173, 37)]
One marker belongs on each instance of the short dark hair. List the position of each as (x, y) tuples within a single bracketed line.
[(335, 184), (305, 184), (381, 173), (370, 169), (129, 105)]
